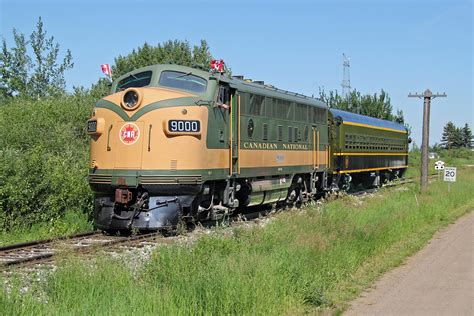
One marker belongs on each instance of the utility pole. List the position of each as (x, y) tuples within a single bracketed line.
[(427, 96)]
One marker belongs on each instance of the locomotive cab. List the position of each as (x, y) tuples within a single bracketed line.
[(149, 146)]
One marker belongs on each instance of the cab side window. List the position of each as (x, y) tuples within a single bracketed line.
[(224, 95)]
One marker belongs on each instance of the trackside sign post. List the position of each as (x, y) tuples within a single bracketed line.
[(439, 165), (449, 176)]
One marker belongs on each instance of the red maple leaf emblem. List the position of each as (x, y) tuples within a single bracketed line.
[(129, 133)]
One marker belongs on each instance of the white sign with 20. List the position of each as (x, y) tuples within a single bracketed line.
[(450, 174)]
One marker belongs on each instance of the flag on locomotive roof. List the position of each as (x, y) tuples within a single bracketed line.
[(106, 70), (217, 65)]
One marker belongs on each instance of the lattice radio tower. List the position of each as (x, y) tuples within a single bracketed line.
[(346, 77)]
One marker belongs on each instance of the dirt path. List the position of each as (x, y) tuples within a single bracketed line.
[(438, 280)]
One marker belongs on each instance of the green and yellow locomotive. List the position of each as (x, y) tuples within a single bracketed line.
[(175, 143)]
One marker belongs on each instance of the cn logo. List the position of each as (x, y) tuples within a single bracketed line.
[(129, 133)]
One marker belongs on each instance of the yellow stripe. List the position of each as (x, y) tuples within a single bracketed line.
[(371, 154), (329, 156), (375, 127), (238, 134), (230, 136), (314, 149), (370, 169), (317, 147)]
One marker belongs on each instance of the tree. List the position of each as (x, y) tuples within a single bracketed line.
[(376, 105), (452, 136), (170, 52), (14, 67), (37, 75), (466, 136)]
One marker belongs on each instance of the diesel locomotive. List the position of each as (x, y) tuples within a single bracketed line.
[(173, 143)]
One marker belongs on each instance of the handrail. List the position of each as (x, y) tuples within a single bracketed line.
[(108, 137)]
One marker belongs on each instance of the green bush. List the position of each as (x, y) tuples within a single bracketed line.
[(43, 159)]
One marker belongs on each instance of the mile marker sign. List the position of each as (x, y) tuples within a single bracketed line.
[(450, 174)]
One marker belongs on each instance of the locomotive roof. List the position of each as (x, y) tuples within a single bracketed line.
[(367, 120), (241, 85), (268, 90)]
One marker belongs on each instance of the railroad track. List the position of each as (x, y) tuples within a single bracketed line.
[(44, 250), (40, 251)]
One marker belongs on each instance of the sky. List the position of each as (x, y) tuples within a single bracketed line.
[(399, 46)]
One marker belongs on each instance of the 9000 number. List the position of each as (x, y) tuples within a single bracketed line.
[(184, 126)]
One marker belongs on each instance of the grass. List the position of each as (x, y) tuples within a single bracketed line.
[(301, 262), (451, 158), (72, 222)]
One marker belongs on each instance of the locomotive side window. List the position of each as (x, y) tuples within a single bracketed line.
[(135, 81), (265, 131), (280, 133), (184, 81), (224, 95)]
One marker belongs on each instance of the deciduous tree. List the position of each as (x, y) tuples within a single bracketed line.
[(33, 67), (376, 105), (169, 52)]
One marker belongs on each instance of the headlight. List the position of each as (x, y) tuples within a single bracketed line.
[(131, 99)]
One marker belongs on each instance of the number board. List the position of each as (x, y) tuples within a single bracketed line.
[(450, 174), (184, 126), (92, 126)]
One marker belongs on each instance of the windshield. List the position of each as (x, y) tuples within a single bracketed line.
[(136, 81), (184, 81)]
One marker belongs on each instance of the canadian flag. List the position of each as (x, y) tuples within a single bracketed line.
[(217, 65), (106, 70)]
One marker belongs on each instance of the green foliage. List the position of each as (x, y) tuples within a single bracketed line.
[(43, 160), (377, 105), (466, 136), (452, 158), (457, 157), (31, 68), (455, 137), (71, 222), (300, 263), (170, 52)]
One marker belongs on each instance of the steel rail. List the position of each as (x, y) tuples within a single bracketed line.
[(45, 241), (25, 252)]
